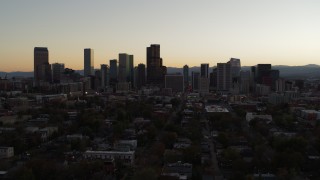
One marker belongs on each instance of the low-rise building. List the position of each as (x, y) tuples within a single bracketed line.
[(250, 116), (178, 169), (6, 152), (215, 109), (127, 156), (310, 115), (126, 144)]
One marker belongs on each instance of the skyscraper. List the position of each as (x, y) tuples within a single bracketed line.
[(204, 84), (42, 68), (245, 82), (195, 81), (263, 71), (104, 76), (88, 62), (141, 76), (213, 78), (123, 67), (130, 70), (57, 72), (155, 68), (223, 76), (113, 71), (174, 82), (205, 70), (186, 75), (235, 67)]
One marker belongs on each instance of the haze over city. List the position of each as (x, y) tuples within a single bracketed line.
[(190, 32)]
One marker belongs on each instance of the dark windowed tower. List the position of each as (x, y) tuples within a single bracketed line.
[(88, 62), (113, 71), (141, 76), (204, 70), (155, 68), (42, 68), (186, 75)]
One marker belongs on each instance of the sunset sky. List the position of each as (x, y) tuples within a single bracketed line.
[(280, 32)]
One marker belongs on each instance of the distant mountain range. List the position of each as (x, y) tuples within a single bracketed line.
[(306, 71)]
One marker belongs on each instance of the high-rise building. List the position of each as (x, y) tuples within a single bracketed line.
[(88, 62), (235, 67), (280, 85), (213, 78), (174, 82), (57, 72), (126, 69), (105, 76), (113, 71), (141, 76), (123, 67), (97, 80), (42, 68), (263, 72), (186, 75), (274, 75), (245, 82), (155, 68), (204, 70), (195, 80), (130, 70), (224, 80), (204, 83)]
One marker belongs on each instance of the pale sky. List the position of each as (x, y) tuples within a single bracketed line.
[(280, 32)]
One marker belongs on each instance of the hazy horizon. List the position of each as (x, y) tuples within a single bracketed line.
[(276, 32)]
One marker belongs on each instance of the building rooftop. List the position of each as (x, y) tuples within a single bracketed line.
[(215, 108)]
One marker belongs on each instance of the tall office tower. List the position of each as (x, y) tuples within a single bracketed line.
[(130, 70), (280, 85), (253, 78), (235, 67), (224, 76), (213, 78), (274, 75), (204, 83), (186, 75), (97, 80), (42, 68), (113, 71), (105, 76), (88, 62), (155, 68), (195, 80), (205, 70), (141, 76), (263, 71), (57, 72), (174, 82), (245, 82), (123, 67)]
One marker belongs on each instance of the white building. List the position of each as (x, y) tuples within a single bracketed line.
[(250, 116), (215, 108), (181, 169), (126, 157), (310, 114), (6, 152)]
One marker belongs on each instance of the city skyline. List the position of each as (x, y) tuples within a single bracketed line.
[(279, 33)]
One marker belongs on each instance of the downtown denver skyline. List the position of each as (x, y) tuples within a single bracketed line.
[(189, 32)]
